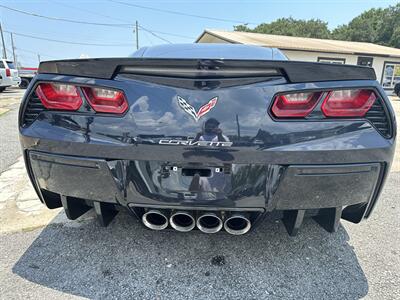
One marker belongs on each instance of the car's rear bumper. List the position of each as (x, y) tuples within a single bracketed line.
[(269, 183), (275, 187)]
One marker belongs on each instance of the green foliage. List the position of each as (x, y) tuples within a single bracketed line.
[(380, 26), (364, 28), (313, 28), (242, 28)]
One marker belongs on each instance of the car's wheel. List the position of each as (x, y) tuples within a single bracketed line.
[(24, 83), (397, 89), (2, 89)]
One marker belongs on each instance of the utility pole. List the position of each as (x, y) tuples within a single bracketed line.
[(137, 35), (38, 57), (2, 40), (13, 50)]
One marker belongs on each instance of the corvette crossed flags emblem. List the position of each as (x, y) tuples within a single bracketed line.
[(189, 109)]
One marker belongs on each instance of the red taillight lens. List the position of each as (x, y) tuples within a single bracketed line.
[(8, 72), (295, 105), (348, 103), (59, 96), (106, 100)]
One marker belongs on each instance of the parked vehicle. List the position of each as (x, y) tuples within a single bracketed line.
[(397, 89), (209, 137), (9, 74), (26, 75)]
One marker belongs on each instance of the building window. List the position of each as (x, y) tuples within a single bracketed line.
[(391, 75), (332, 60), (365, 61)]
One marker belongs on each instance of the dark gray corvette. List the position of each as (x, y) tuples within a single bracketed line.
[(209, 137)]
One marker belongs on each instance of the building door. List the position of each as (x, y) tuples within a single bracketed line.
[(365, 61)]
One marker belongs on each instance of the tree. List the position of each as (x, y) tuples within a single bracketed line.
[(364, 28), (242, 28), (380, 26), (389, 29), (313, 28)]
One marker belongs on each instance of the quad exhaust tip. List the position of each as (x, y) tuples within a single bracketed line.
[(155, 219), (237, 224), (209, 222), (182, 221)]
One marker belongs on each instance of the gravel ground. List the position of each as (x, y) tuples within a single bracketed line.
[(125, 260)]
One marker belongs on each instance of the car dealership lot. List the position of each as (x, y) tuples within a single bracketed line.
[(44, 255)]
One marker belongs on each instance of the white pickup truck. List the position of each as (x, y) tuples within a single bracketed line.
[(9, 74)]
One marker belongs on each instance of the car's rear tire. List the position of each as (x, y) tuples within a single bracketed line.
[(2, 89), (397, 89), (24, 83)]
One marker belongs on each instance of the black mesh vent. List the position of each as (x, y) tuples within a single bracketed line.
[(32, 110), (378, 116)]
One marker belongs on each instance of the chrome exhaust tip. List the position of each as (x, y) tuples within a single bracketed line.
[(209, 222), (237, 224), (155, 219), (182, 221)]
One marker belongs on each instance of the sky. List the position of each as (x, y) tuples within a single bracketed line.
[(155, 26)]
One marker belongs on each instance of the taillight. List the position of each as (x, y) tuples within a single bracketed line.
[(59, 96), (295, 105), (348, 103), (8, 72), (106, 100)]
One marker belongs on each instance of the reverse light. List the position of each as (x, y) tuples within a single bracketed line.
[(295, 105), (348, 103), (106, 100), (59, 96), (8, 72)]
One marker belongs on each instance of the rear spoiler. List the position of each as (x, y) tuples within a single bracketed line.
[(294, 71)]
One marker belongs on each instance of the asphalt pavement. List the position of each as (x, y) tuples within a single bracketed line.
[(10, 148), (126, 261)]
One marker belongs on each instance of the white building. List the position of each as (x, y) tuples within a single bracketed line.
[(385, 60)]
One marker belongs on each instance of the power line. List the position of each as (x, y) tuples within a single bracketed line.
[(68, 36), (69, 42), (91, 12), (123, 20), (65, 20), (34, 52), (173, 34), (87, 23), (148, 38), (182, 13), (156, 35)]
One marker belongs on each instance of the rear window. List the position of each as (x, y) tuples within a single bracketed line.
[(10, 64)]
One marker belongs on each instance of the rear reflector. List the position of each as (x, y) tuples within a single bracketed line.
[(106, 100), (8, 72), (59, 96), (348, 103), (295, 105)]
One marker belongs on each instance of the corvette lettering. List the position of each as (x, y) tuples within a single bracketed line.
[(193, 143)]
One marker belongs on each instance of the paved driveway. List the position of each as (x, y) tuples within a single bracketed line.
[(126, 261), (9, 142)]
